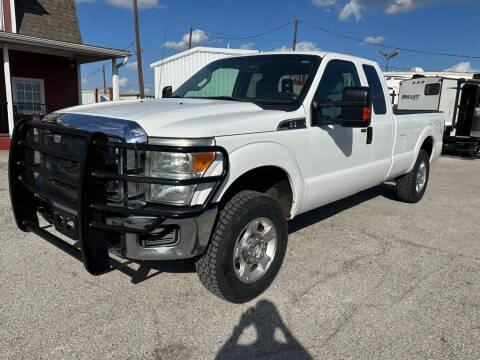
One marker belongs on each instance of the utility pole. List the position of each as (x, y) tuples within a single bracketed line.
[(295, 34), (141, 87), (104, 80), (190, 38)]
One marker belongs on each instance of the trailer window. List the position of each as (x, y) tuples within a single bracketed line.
[(432, 89), (376, 90)]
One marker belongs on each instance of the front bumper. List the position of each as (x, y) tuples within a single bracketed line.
[(66, 176), (190, 238)]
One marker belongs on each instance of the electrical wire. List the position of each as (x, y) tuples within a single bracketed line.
[(222, 35), (386, 45)]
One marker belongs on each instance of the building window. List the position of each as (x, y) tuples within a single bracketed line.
[(29, 96)]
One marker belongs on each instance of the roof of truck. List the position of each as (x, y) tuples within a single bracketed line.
[(321, 54)]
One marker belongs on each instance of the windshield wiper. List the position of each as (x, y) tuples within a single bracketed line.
[(229, 98)]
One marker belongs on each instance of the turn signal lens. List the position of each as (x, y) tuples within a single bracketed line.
[(367, 113), (202, 161)]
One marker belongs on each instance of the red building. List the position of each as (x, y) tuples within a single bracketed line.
[(42, 53)]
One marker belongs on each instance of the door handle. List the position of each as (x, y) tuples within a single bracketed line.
[(369, 135)]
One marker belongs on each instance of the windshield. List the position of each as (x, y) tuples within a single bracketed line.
[(266, 80)]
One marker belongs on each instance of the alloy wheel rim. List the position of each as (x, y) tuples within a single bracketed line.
[(254, 250), (421, 176)]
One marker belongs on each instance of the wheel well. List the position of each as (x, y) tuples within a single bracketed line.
[(270, 180), (428, 146)]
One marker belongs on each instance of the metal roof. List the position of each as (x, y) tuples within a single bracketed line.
[(82, 52)]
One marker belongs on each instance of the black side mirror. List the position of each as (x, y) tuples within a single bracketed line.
[(355, 108), (167, 92)]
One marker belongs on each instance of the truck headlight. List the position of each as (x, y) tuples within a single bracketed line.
[(170, 165)]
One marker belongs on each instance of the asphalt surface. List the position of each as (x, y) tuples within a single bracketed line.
[(367, 277)]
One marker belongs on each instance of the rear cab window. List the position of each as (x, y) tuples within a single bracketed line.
[(376, 90)]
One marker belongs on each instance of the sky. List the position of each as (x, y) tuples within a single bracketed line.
[(435, 26)]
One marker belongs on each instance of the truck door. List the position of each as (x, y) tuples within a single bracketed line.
[(382, 126), (339, 157)]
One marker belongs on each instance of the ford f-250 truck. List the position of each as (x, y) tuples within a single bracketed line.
[(215, 171)]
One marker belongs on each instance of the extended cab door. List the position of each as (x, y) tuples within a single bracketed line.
[(382, 125), (339, 157)]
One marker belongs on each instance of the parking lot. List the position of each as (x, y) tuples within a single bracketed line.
[(366, 277)]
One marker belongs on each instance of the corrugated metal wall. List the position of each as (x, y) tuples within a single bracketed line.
[(177, 71)]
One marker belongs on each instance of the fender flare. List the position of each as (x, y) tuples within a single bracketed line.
[(245, 158), (426, 133)]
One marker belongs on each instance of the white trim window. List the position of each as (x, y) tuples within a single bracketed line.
[(28, 96)]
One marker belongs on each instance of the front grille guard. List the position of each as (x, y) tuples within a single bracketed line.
[(68, 186)]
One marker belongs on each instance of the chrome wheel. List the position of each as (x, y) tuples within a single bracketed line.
[(254, 250), (421, 176)]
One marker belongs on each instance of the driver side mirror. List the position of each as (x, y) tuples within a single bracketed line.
[(167, 92), (355, 108)]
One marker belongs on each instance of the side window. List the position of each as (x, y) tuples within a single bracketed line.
[(338, 74), (376, 90)]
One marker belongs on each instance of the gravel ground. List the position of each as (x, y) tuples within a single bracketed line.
[(366, 277)]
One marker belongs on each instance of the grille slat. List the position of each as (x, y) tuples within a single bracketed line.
[(53, 162)]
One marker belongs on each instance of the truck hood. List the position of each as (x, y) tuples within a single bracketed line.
[(190, 118)]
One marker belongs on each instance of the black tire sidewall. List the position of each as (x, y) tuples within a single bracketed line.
[(422, 156), (232, 288)]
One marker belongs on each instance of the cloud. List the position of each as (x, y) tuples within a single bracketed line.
[(132, 65), (247, 46), (373, 40), (356, 8), (198, 38), (84, 80), (127, 4), (123, 81), (352, 8), (301, 46), (464, 66), (324, 3)]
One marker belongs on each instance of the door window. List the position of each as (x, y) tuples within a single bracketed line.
[(338, 74), (376, 90)]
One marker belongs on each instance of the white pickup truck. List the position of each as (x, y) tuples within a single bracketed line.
[(215, 171)]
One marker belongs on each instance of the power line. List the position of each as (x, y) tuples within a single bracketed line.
[(388, 46), (221, 35)]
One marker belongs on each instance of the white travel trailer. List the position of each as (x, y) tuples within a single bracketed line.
[(428, 94), (458, 99)]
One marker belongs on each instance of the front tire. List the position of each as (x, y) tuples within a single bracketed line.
[(247, 248), (411, 187)]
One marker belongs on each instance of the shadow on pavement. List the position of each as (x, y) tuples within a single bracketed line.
[(313, 216), (137, 275), (266, 320)]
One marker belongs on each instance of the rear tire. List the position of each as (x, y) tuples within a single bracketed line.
[(412, 186), (246, 249), (476, 150)]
